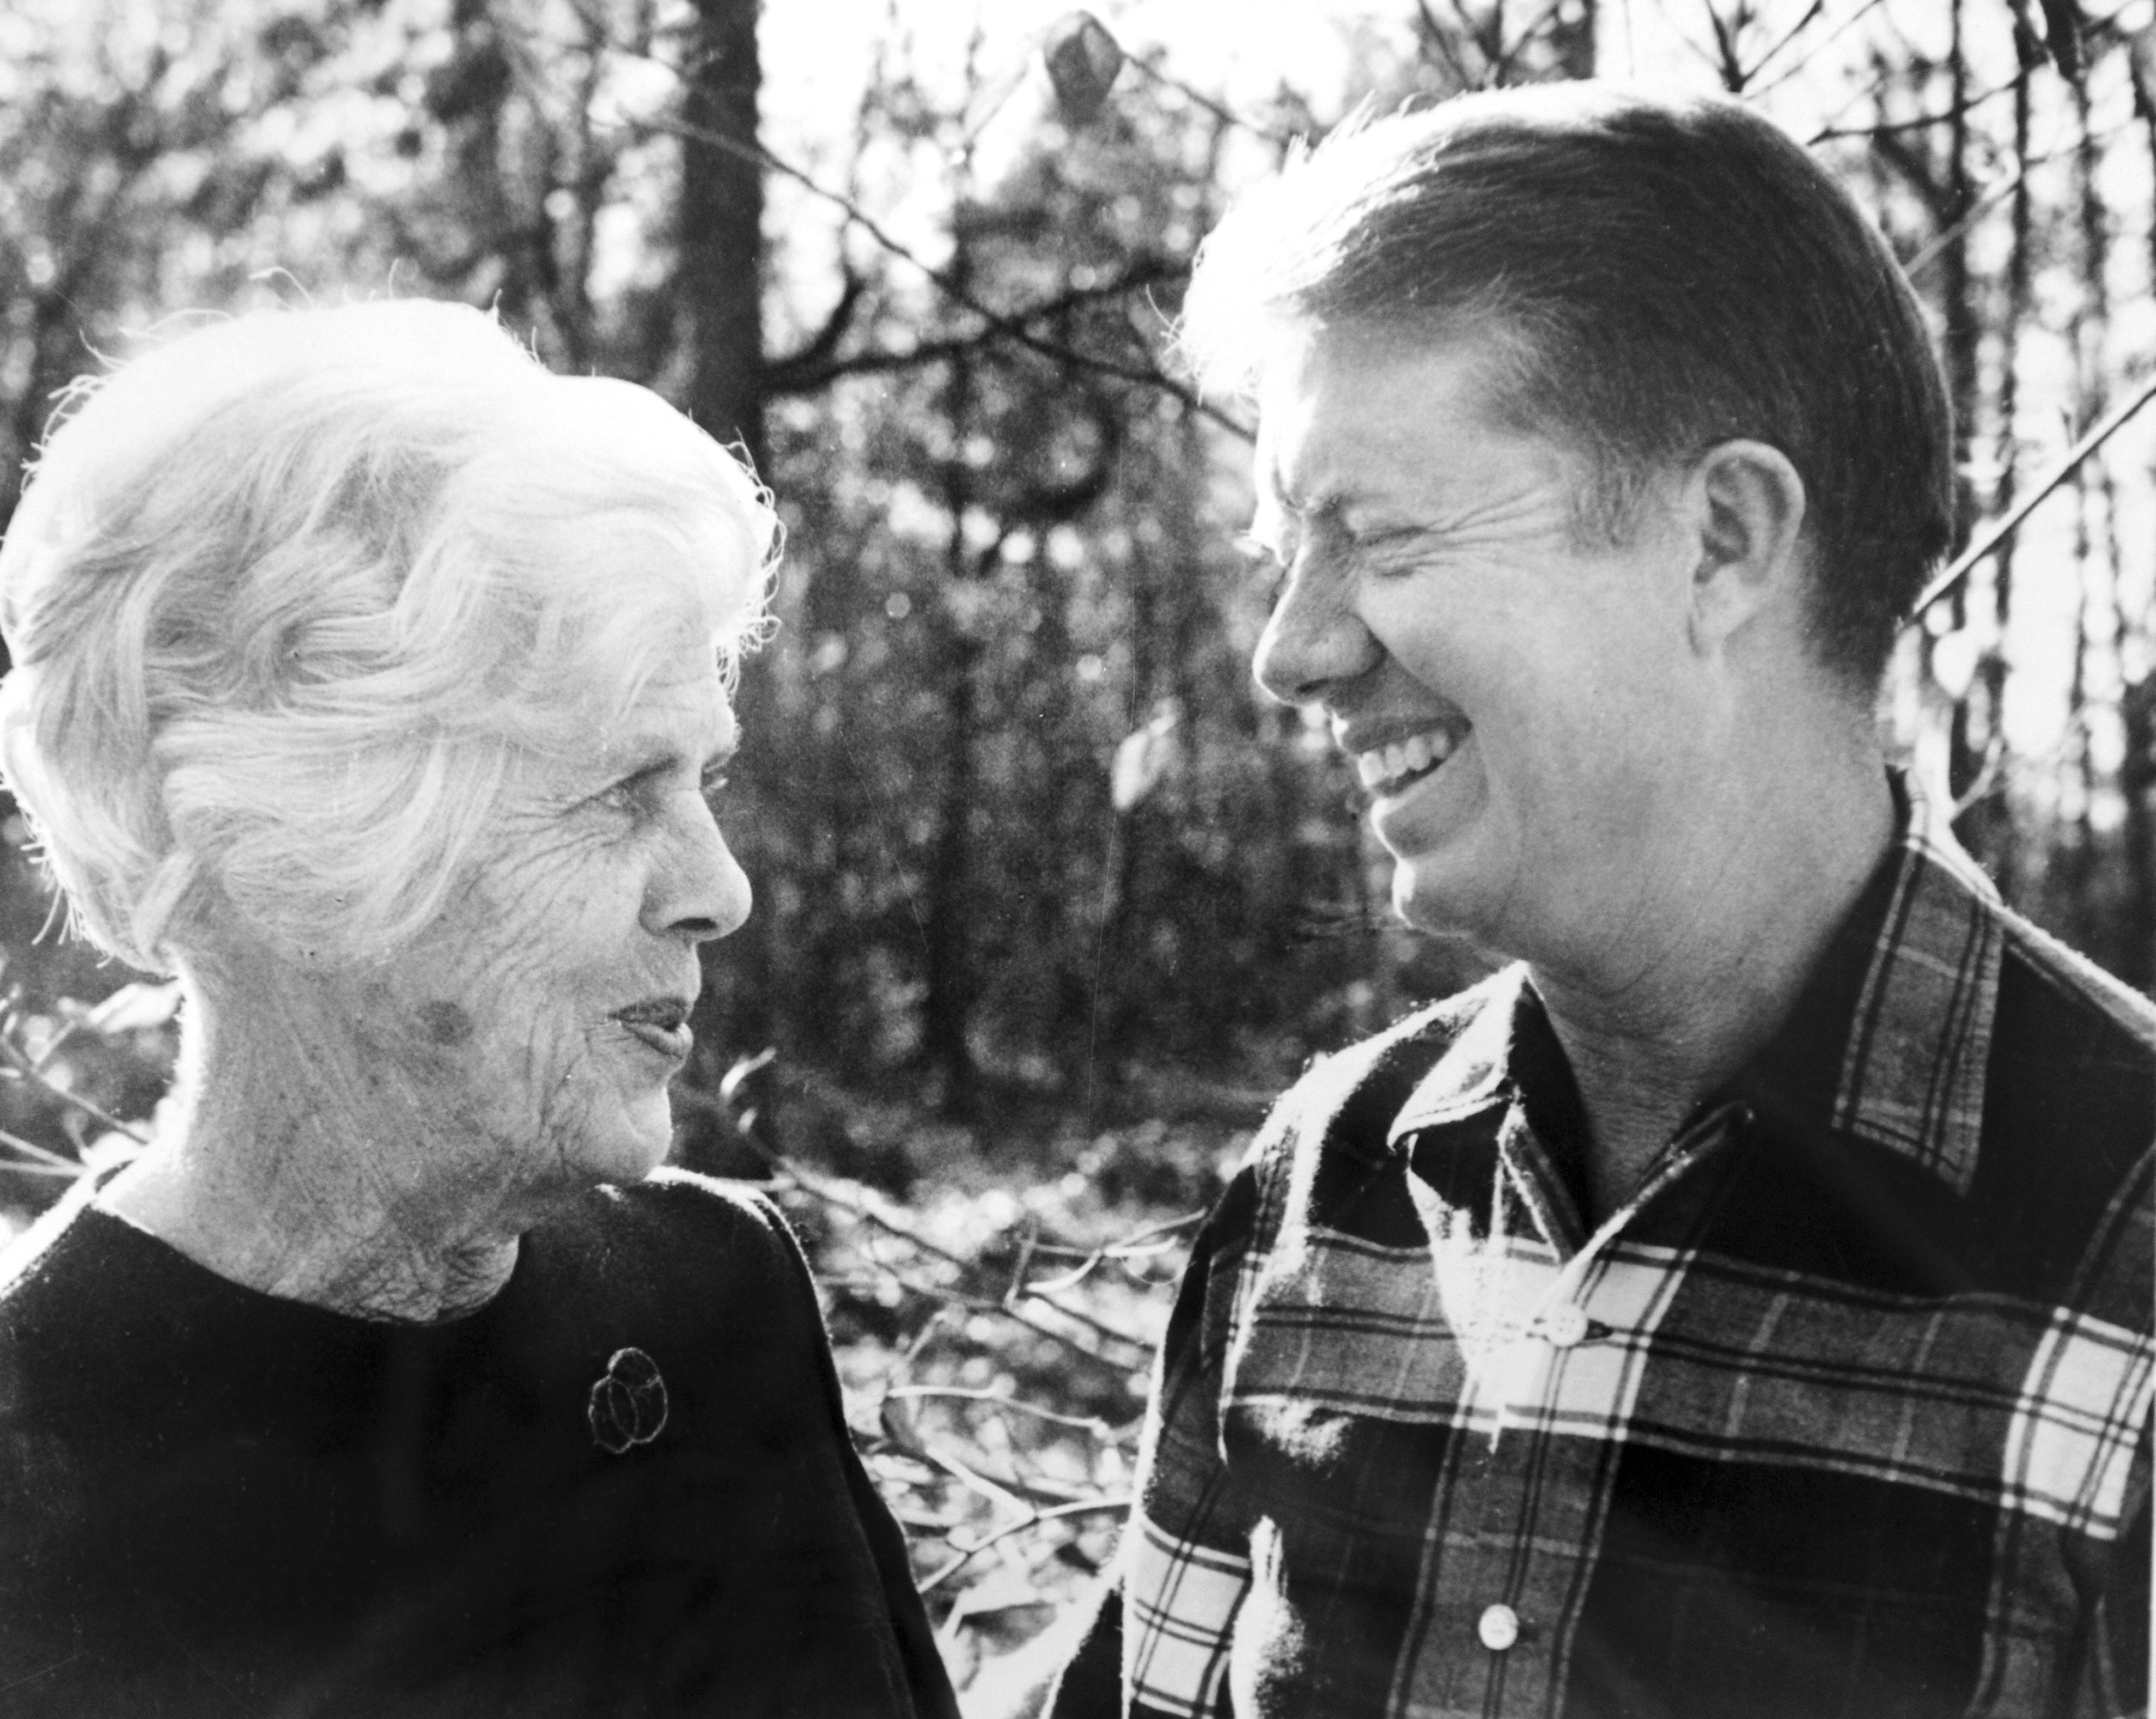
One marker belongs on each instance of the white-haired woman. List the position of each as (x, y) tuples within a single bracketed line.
[(375, 682)]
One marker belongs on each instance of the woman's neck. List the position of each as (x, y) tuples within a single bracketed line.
[(310, 1163)]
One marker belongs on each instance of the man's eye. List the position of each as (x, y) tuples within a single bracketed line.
[(1394, 551), (712, 784)]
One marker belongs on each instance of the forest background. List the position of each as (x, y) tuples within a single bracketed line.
[(1049, 900)]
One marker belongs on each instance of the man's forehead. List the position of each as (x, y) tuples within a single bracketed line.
[(1337, 405)]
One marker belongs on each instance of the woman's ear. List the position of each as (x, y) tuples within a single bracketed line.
[(1747, 503)]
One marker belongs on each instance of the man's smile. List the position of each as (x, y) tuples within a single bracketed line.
[(1388, 768), (1391, 754)]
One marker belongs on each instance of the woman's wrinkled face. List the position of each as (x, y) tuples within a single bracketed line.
[(548, 1005)]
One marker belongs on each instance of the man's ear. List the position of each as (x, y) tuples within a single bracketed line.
[(1747, 502)]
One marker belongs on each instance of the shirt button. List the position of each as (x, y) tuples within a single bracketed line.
[(1566, 1327), (1499, 1628)]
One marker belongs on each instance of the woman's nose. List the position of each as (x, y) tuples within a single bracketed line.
[(699, 890), (1313, 639)]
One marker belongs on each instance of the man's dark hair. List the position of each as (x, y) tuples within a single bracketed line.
[(1672, 274)]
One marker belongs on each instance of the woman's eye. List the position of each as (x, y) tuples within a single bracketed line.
[(632, 794)]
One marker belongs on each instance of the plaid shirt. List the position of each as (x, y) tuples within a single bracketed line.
[(1844, 1414)]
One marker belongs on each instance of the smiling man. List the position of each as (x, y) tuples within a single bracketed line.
[(1740, 1303)]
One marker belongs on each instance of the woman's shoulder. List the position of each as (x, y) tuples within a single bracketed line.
[(673, 1199), (680, 1232)]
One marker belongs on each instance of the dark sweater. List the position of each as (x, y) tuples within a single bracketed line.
[(214, 1501)]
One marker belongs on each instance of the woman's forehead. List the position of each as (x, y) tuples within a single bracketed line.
[(680, 710)]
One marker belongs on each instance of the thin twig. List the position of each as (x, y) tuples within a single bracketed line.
[(1434, 33), (1987, 777), (1922, 122), (25, 1069), (966, 1394), (1795, 30), (1526, 39), (1024, 1263), (1997, 533), (813, 1184), (1996, 195), (998, 321), (796, 374), (1753, 92), (985, 1304), (52, 1161), (1137, 1244), (59, 1042), (973, 1482), (1035, 1519), (1226, 115)]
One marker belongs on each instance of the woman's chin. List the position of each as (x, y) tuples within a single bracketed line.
[(650, 1133), (632, 1144)]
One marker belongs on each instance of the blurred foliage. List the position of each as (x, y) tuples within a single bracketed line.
[(1048, 900)]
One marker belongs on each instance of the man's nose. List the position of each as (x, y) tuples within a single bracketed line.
[(1314, 638), (699, 890)]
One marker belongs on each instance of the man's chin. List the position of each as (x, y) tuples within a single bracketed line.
[(1432, 898)]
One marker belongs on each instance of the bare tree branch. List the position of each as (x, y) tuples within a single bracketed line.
[(1526, 37), (816, 365), (1922, 122), (952, 290), (21, 1068), (1795, 30), (1996, 533), (968, 1553), (1198, 98), (1434, 35), (1756, 90)]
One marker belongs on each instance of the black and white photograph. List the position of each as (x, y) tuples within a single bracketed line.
[(950, 859)]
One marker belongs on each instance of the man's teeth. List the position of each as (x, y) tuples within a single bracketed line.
[(1389, 764)]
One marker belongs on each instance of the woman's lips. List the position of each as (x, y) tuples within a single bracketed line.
[(662, 1023), (674, 1042)]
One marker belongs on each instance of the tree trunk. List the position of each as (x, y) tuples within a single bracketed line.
[(2137, 782), (1987, 826), (718, 291), (1572, 38), (721, 235), (1963, 333), (947, 1007)]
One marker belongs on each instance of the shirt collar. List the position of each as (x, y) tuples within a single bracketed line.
[(1913, 1068), (1904, 1069)]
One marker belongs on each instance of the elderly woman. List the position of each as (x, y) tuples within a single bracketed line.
[(375, 682)]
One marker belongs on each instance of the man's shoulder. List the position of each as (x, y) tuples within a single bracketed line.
[(2107, 1017), (2070, 1043), (1349, 1098), (2063, 1190)]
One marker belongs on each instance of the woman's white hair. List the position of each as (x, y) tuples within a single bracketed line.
[(289, 596)]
